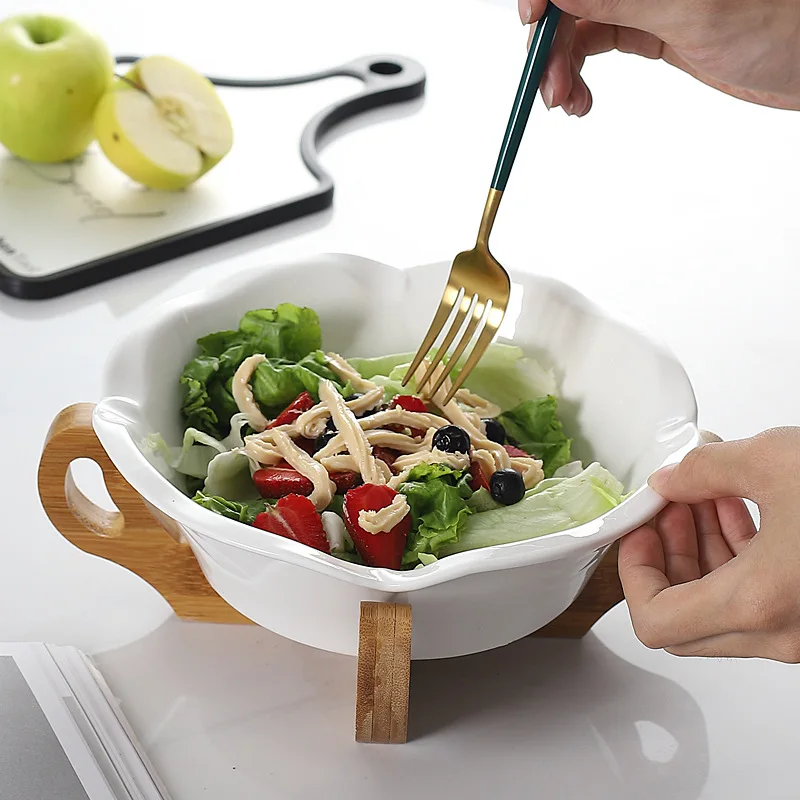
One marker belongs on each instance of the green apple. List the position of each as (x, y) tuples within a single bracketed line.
[(52, 75), (163, 124)]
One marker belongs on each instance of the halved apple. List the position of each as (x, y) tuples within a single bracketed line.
[(163, 124)]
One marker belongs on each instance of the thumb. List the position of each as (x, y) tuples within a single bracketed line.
[(646, 15), (711, 472)]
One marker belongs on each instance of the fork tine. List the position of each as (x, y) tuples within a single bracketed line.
[(493, 322), (478, 313), (463, 309), (449, 299)]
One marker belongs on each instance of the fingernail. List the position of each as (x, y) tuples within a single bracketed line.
[(525, 11), (661, 477), (547, 91)]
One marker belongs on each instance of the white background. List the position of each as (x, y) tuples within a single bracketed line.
[(670, 205)]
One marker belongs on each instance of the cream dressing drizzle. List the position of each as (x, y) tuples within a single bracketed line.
[(324, 487), (482, 407), (386, 518), (453, 460), (262, 451), (486, 461), (399, 416), (346, 423), (243, 394), (348, 373), (311, 423), (531, 470), (351, 448), (405, 464), (379, 438), (344, 462), (275, 445)]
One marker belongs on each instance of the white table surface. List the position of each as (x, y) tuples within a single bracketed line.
[(670, 205)]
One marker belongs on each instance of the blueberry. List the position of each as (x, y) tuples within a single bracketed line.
[(495, 432), (330, 426), (451, 439), (352, 397), (507, 486), (322, 440)]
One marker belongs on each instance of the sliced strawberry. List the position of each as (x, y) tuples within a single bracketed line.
[(306, 524), (409, 402), (279, 481), (479, 479), (515, 452), (345, 480), (271, 521), (273, 482), (303, 402), (294, 517), (377, 549), (385, 454), (306, 444)]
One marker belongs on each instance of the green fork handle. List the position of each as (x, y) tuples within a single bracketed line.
[(526, 93)]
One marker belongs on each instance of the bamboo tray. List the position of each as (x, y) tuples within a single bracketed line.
[(132, 538)]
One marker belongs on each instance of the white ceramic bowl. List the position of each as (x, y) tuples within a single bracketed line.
[(626, 400)]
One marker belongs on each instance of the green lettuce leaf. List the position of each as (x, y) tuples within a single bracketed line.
[(482, 500), (198, 375), (507, 377), (437, 496), (197, 450), (287, 331), (379, 365), (229, 476), (277, 382), (504, 375), (285, 334), (336, 505), (562, 504), (243, 512), (535, 427)]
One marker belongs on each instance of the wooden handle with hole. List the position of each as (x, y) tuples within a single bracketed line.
[(130, 536)]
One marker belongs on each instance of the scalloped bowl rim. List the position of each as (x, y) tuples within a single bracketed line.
[(113, 415)]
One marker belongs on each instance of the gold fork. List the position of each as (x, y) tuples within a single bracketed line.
[(478, 287)]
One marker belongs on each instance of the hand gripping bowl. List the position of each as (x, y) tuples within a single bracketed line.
[(626, 401)]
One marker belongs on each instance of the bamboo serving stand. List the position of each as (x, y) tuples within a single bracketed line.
[(153, 549)]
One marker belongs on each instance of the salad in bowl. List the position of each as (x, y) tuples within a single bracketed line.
[(290, 437), (262, 421)]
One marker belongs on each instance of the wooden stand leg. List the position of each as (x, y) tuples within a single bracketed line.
[(383, 674)]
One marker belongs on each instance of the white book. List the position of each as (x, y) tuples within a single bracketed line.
[(62, 733)]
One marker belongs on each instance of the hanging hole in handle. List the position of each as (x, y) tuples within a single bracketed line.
[(88, 498), (385, 68)]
